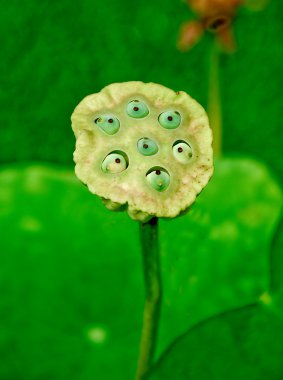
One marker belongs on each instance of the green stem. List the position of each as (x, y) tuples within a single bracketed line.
[(214, 101), (153, 294)]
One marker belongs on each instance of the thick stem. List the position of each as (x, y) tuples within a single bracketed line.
[(214, 101), (153, 294)]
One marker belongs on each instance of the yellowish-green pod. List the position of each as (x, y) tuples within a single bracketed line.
[(153, 158)]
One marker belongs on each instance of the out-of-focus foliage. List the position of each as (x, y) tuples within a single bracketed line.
[(276, 267), (217, 257), (242, 344), (71, 281), (69, 275)]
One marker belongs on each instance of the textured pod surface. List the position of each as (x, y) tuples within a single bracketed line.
[(129, 187)]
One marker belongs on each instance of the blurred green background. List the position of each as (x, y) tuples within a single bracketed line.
[(70, 271)]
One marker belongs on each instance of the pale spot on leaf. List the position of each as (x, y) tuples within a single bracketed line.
[(97, 335), (265, 298), (225, 230), (30, 223), (193, 280)]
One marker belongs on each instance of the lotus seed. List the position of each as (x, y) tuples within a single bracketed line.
[(170, 119), (182, 151), (115, 162), (137, 109), (108, 123), (159, 179), (147, 147)]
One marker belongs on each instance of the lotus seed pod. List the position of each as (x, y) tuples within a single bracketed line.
[(143, 148)]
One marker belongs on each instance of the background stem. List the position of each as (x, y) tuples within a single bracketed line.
[(153, 294), (214, 101)]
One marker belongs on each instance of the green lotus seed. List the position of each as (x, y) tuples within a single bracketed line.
[(115, 162), (147, 147), (170, 119), (158, 178), (137, 109), (108, 123), (182, 151)]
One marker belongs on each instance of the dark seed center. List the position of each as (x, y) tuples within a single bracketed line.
[(157, 172), (169, 118), (117, 160), (180, 150), (145, 146), (136, 108), (218, 23), (110, 121)]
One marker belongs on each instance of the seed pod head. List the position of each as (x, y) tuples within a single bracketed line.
[(143, 147)]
